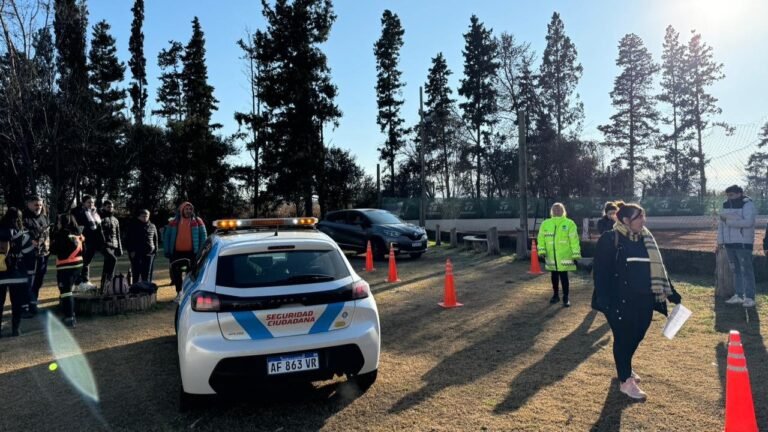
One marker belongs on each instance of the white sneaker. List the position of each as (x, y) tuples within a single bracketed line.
[(748, 302), (630, 388), (736, 299)]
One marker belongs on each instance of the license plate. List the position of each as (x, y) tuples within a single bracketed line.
[(416, 244), (292, 363)]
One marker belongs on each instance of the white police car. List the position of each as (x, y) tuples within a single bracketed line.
[(272, 300)]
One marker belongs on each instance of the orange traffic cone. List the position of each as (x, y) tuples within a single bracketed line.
[(392, 265), (449, 300), (369, 258), (739, 407), (535, 267)]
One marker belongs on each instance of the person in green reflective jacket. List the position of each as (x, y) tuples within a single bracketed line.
[(559, 247)]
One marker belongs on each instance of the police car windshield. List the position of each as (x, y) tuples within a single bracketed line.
[(280, 268), (383, 218)]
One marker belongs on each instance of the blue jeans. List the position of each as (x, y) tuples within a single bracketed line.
[(740, 261)]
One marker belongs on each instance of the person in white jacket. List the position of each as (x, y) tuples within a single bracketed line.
[(736, 233)]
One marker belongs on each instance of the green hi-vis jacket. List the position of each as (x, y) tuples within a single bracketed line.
[(558, 244)]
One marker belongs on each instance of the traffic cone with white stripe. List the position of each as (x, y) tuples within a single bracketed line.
[(535, 267), (392, 277), (739, 407), (369, 258), (449, 295)]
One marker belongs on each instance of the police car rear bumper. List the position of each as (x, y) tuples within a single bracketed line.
[(212, 365)]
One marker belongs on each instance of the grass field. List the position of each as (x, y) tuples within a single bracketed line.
[(506, 361)]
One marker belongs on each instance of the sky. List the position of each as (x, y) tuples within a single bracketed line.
[(734, 28)]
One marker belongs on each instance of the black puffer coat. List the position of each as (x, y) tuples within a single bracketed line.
[(141, 238), (110, 226)]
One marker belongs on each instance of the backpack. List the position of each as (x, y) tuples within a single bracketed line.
[(143, 287), (118, 286)]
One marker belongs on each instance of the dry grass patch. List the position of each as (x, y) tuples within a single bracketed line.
[(507, 360)]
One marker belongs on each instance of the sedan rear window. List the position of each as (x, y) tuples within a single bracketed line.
[(280, 268)]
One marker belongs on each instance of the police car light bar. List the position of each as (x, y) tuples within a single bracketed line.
[(234, 224)]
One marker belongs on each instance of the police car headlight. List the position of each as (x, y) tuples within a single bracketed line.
[(393, 234), (204, 301)]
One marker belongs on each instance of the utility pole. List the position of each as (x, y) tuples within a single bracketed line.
[(422, 201), (378, 186), (522, 235)]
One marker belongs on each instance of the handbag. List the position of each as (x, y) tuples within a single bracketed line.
[(118, 286)]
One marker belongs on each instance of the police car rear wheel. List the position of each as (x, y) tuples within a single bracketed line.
[(364, 381)]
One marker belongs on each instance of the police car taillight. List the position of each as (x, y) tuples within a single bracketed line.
[(360, 290), (205, 302)]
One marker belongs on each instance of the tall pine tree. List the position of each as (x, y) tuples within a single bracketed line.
[(757, 167), (105, 156), (138, 64), (674, 93), (633, 128), (70, 24), (388, 89), (439, 110), (169, 94), (477, 87), (562, 110), (703, 71), (298, 96), (559, 76)]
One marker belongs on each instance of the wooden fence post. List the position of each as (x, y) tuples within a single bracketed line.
[(438, 235), (454, 238), (493, 241)]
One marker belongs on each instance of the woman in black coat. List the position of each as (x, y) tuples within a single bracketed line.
[(630, 283), (606, 222)]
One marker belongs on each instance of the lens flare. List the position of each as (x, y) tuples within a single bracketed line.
[(70, 358)]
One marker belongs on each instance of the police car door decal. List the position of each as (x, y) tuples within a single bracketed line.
[(286, 321)]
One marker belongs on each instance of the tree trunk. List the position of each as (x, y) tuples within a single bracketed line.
[(477, 180)]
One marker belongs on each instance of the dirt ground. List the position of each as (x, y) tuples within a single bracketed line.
[(506, 361)]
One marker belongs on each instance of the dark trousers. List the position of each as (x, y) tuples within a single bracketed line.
[(629, 331), (110, 262), (563, 277), (142, 267), (180, 263), (66, 280), (36, 281), (89, 251), (18, 294)]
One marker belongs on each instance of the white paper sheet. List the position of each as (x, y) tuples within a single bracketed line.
[(675, 321)]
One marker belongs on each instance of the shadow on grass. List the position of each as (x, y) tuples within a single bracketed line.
[(564, 357), (490, 350), (609, 419), (138, 388)]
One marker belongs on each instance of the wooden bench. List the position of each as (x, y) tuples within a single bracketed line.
[(476, 243)]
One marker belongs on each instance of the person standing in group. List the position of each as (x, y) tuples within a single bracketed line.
[(68, 246), (16, 258), (631, 282), (38, 226), (142, 244), (558, 244), (182, 239), (89, 219), (113, 243), (736, 233), (606, 222)]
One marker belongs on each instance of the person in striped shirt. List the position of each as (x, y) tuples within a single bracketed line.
[(17, 255)]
